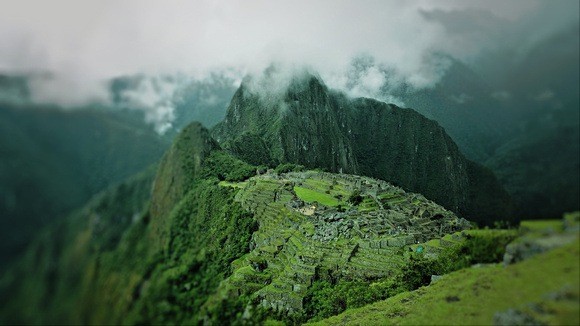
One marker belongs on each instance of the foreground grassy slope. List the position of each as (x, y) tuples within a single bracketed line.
[(546, 288)]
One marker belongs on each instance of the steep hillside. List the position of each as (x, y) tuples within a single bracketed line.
[(53, 161), (90, 267), (311, 125), (467, 106), (541, 170)]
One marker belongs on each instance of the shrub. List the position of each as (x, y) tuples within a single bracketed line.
[(289, 167), (224, 166), (355, 197)]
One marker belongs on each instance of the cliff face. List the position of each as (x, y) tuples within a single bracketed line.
[(409, 150), (319, 128)]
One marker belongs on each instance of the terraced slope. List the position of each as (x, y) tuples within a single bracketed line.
[(308, 226)]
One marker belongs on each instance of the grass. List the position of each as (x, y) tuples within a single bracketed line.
[(236, 185), (309, 195), (572, 218), (368, 204), (541, 225), (472, 296)]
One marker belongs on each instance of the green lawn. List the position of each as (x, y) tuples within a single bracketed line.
[(472, 296), (236, 185), (541, 225), (309, 195)]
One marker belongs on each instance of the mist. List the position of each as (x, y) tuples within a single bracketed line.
[(73, 50)]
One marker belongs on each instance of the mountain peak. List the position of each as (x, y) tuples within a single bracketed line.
[(294, 118), (278, 82)]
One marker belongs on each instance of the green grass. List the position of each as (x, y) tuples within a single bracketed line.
[(541, 225), (236, 185), (309, 195), (572, 218), (472, 296), (368, 204), (317, 183)]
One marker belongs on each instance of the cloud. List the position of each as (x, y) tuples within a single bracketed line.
[(502, 95), (82, 45), (461, 98), (154, 96), (544, 95)]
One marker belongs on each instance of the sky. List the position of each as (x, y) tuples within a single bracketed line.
[(73, 48)]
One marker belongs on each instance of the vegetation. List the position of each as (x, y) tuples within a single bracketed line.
[(326, 298), (289, 167), (311, 196), (54, 161), (225, 167), (215, 246), (252, 149), (208, 232)]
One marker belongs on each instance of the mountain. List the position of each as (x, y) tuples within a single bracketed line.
[(192, 248), (319, 128), (541, 168), (540, 165), (53, 161), (210, 239), (465, 104)]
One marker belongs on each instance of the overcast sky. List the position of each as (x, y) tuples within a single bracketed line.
[(84, 43)]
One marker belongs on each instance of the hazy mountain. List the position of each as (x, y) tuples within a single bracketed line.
[(539, 164), (53, 161)]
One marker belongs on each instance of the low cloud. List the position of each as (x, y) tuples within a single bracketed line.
[(501, 95), (544, 95), (80, 46), (461, 98), (154, 96)]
